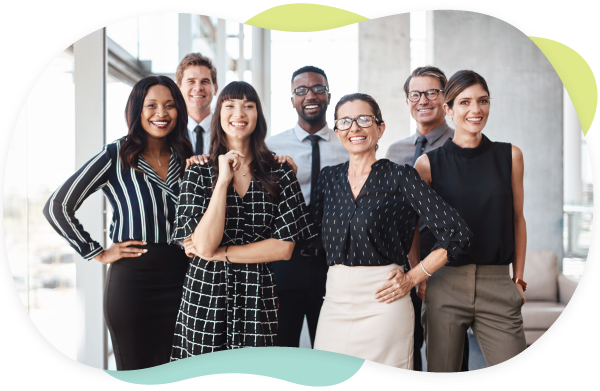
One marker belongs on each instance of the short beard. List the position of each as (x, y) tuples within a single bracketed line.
[(313, 120)]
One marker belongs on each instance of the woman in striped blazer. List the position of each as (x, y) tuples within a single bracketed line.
[(140, 175)]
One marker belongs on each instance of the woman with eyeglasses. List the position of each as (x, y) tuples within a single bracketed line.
[(236, 214), (483, 180), (366, 210)]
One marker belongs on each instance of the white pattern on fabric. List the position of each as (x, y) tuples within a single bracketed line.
[(378, 227), (141, 201), (234, 305)]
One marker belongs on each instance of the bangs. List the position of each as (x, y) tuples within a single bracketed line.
[(239, 90)]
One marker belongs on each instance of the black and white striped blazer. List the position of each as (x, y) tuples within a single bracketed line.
[(144, 206)]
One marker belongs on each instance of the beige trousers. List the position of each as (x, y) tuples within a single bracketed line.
[(354, 323), (481, 297)]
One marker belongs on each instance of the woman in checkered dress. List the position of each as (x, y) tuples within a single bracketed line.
[(236, 214)]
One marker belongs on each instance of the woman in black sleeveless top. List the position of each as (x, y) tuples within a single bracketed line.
[(483, 181)]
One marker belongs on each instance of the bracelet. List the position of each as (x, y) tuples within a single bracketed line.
[(226, 254), (423, 267)]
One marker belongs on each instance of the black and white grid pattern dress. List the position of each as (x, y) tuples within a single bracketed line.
[(234, 305)]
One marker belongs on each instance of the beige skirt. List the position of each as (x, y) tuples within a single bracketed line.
[(354, 323)]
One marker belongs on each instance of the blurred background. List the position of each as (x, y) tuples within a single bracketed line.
[(78, 105)]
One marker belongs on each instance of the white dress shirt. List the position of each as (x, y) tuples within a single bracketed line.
[(206, 125), (295, 143)]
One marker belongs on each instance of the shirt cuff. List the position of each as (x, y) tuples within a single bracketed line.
[(93, 253)]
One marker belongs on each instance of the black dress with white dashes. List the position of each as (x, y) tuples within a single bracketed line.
[(233, 305), (378, 227)]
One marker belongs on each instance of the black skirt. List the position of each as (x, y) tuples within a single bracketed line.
[(141, 301)]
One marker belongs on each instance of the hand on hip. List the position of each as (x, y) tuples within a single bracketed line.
[(398, 284)]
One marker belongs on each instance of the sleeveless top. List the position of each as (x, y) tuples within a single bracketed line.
[(477, 183)]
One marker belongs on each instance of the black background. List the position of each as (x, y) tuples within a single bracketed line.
[(32, 37)]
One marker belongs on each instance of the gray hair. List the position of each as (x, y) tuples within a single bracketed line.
[(427, 71)]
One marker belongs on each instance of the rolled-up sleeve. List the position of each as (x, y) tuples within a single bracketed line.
[(61, 206), (293, 221), (450, 230), (193, 201)]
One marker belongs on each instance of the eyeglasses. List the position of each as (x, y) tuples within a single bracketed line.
[(364, 121), (432, 94), (303, 90)]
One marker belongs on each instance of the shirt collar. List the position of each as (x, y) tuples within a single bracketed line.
[(205, 123), (434, 134), (324, 133)]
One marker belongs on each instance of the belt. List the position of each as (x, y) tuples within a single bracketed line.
[(312, 252)]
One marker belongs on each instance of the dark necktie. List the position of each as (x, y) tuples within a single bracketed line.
[(199, 140), (421, 140), (316, 164)]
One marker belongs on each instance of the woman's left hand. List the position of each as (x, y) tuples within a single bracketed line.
[(520, 288), (285, 158), (190, 249), (196, 159), (398, 285)]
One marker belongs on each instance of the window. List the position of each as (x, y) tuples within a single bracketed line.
[(42, 262), (290, 51)]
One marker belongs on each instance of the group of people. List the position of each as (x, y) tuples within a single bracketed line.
[(224, 238)]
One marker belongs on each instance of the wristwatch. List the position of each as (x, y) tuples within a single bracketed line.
[(517, 280)]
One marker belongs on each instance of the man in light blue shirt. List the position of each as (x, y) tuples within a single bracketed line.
[(197, 79), (312, 145)]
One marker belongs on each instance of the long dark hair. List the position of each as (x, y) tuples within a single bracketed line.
[(263, 161), (136, 139)]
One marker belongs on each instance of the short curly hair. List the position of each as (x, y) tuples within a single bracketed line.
[(309, 68)]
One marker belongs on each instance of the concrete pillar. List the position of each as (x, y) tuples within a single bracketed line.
[(573, 186), (241, 62), (526, 107), (260, 65), (383, 66), (90, 72), (222, 64), (185, 37)]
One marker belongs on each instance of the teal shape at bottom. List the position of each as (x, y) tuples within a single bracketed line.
[(301, 366)]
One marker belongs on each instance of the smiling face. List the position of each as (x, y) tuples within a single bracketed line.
[(359, 140), (427, 113), (311, 108), (197, 88), (238, 118), (159, 114), (470, 110)]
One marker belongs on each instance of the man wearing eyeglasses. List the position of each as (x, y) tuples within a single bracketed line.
[(312, 145), (424, 91)]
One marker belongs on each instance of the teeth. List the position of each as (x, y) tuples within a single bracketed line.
[(352, 139), (238, 123), (424, 110), (157, 123), (474, 119), (198, 96), (311, 107)]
